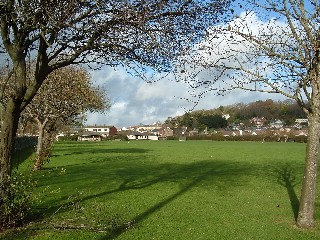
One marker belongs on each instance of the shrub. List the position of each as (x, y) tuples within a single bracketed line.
[(116, 137), (172, 138), (257, 138), (68, 138), (301, 139), (15, 208), (25, 142)]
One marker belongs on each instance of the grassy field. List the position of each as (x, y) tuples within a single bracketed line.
[(168, 190)]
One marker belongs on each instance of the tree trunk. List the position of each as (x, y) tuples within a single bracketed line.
[(38, 163), (9, 125), (308, 191)]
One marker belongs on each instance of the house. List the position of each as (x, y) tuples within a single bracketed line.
[(104, 130), (276, 124), (302, 121), (141, 136), (302, 133), (166, 132), (90, 136), (193, 132), (259, 122)]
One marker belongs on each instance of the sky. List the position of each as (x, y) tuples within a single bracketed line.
[(134, 102)]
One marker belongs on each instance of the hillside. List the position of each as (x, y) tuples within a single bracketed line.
[(286, 111)]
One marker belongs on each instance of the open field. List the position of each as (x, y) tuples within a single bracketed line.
[(169, 190)]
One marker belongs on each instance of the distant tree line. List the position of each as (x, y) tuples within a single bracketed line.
[(287, 111)]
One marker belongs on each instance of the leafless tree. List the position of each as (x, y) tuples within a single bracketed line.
[(273, 47)]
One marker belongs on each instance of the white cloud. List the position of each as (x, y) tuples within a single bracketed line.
[(134, 101), (157, 90)]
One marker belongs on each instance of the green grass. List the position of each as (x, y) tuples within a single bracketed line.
[(169, 190)]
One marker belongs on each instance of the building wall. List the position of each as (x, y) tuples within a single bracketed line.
[(142, 137), (113, 131), (104, 130)]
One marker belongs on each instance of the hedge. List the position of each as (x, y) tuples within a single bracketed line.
[(256, 138)]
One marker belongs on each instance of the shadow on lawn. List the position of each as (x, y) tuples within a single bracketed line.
[(21, 156), (84, 170), (287, 179), (134, 171), (117, 231), (90, 150), (134, 174)]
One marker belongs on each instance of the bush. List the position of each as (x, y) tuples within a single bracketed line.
[(68, 138), (15, 208), (116, 137), (172, 138), (257, 138), (300, 139), (25, 142)]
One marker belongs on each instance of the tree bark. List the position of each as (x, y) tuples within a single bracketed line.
[(10, 111), (9, 124), (308, 192), (38, 163)]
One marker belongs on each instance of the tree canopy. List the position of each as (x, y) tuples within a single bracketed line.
[(66, 94), (287, 111)]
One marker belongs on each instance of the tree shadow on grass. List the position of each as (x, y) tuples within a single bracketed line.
[(21, 156), (136, 175), (90, 150), (134, 171), (89, 167), (286, 177), (118, 230)]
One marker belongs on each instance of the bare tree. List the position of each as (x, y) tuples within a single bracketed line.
[(143, 35), (66, 94), (272, 47)]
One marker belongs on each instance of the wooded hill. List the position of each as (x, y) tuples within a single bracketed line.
[(287, 111)]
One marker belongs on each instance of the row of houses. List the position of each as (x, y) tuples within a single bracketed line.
[(256, 132), (260, 122), (157, 131), (98, 132)]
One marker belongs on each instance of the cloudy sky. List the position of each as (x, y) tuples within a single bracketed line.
[(135, 102)]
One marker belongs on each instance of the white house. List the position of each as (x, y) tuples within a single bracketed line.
[(302, 120), (103, 130), (141, 136), (90, 136), (276, 124)]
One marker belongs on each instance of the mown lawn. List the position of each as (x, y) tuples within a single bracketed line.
[(168, 190)]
